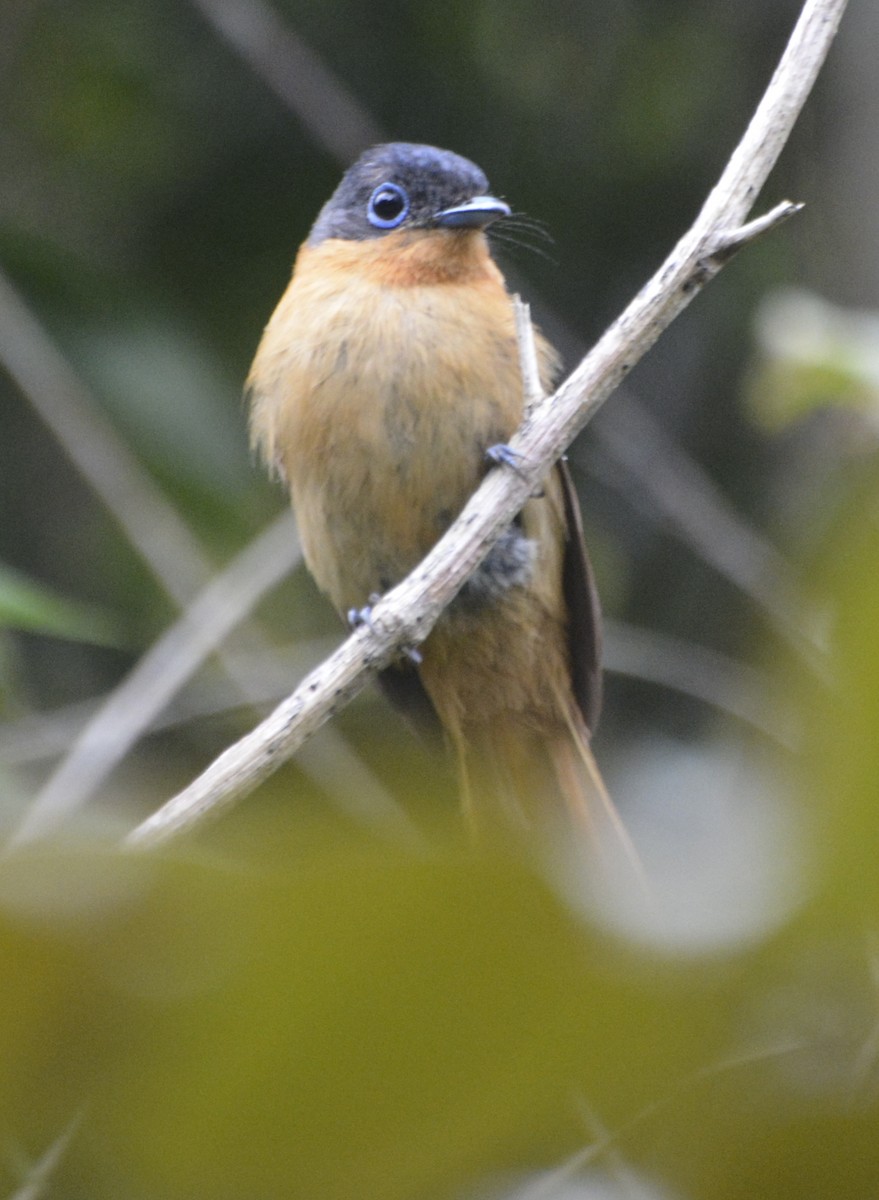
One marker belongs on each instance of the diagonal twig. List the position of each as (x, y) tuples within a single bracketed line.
[(134, 705), (295, 73), (340, 124), (687, 499), (407, 614), (56, 393), (158, 675)]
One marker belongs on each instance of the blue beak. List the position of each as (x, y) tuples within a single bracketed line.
[(473, 214)]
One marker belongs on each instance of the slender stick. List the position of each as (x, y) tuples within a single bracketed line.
[(150, 522), (157, 676), (405, 616), (532, 389), (287, 65)]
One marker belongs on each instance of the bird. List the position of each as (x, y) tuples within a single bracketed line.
[(387, 382)]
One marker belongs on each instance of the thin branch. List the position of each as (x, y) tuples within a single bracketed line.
[(681, 493), (159, 674), (152, 524), (295, 73), (170, 550), (55, 392), (354, 790), (735, 688), (678, 486), (132, 707), (35, 737), (39, 1176), (532, 388), (753, 229), (406, 615)]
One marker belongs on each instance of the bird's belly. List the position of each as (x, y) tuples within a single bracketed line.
[(389, 449)]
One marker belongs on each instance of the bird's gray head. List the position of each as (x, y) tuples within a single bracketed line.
[(402, 185)]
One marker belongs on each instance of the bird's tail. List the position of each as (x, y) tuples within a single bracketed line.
[(522, 778), (581, 786)]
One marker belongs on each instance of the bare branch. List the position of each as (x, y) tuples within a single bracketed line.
[(295, 73), (753, 229), (55, 392), (159, 674), (39, 1176), (406, 614), (735, 688), (169, 548), (133, 706), (35, 737), (274, 53), (532, 388), (684, 496)]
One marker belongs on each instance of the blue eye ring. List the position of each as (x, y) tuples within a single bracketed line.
[(388, 206)]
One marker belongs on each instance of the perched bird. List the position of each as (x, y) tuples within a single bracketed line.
[(387, 371)]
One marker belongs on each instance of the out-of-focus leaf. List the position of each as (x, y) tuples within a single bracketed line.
[(369, 1023), (372, 1022), (842, 744), (813, 355), (25, 604), (174, 400)]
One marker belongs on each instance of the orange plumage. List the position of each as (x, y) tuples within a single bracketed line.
[(388, 369)]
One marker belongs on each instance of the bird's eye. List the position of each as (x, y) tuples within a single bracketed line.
[(388, 206)]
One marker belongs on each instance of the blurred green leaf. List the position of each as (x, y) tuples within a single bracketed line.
[(813, 355), (173, 400), (25, 604), (370, 1022), (841, 760)]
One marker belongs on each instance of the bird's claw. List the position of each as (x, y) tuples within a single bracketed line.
[(504, 455), (363, 616)]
